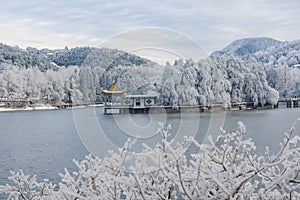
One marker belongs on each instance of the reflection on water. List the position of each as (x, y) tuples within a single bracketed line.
[(45, 142)]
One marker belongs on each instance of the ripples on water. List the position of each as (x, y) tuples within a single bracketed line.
[(45, 142)]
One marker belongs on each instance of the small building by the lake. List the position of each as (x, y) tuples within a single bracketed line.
[(139, 103), (131, 104), (116, 102)]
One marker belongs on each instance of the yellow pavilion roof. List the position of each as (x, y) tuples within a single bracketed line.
[(113, 90)]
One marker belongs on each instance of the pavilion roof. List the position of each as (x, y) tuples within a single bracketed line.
[(113, 90)]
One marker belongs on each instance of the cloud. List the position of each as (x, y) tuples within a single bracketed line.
[(211, 23), (41, 34), (156, 43)]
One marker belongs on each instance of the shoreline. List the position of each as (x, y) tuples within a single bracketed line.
[(46, 107), (153, 109), (27, 109)]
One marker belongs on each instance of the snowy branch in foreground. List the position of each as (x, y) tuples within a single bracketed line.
[(224, 169), (26, 187)]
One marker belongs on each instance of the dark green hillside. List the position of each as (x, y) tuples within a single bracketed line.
[(24, 58)]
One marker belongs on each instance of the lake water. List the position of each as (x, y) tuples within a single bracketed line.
[(46, 142)]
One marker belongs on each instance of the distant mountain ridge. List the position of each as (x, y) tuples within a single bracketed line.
[(46, 59), (103, 57), (264, 50), (246, 46), (288, 51), (279, 60), (23, 58), (258, 70)]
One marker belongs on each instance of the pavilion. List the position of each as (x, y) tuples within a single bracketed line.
[(128, 103)]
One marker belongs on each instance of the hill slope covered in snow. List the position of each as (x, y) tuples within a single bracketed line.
[(280, 61)]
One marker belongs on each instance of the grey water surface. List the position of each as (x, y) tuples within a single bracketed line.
[(43, 143)]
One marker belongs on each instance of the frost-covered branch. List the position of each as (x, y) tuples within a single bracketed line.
[(227, 168)]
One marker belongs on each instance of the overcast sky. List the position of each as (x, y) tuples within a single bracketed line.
[(211, 24)]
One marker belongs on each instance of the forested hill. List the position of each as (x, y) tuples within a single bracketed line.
[(280, 61), (259, 70), (264, 50), (95, 57), (247, 46), (46, 59), (23, 58)]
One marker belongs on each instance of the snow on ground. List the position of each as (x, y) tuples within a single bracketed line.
[(44, 107)]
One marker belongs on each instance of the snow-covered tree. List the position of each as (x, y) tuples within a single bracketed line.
[(170, 79), (215, 80), (223, 168), (204, 82)]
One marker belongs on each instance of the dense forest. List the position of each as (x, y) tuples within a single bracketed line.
[(279, 60), (259, 70)]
